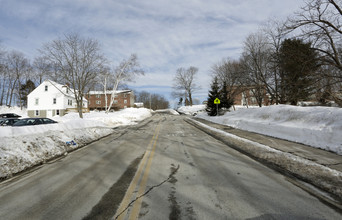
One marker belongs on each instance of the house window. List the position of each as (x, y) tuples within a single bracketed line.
[(125, 95), (98, 102), (36, 102), (125, 101), (69, 102), (36, 113), (54, 100), (115, 101), (46, 88), (98, 96), (57, 112)]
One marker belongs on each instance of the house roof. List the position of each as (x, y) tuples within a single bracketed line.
[(60, 87), (108, 92)]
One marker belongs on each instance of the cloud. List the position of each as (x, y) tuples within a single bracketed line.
[(164, 34)]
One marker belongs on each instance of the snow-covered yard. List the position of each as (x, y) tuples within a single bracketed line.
[(319, 127), (23, 147)]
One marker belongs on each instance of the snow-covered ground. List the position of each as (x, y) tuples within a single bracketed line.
[(24, 147), (190, 110), (167, 111), (319, 127)]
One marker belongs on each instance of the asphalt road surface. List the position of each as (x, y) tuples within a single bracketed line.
[(162, 168)]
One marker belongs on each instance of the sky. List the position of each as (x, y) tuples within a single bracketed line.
[(165, 35)]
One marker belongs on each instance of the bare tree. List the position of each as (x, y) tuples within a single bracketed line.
[(320, 22), (125, 72), (78, 60), (155, 100), (275, 33), (18, 68), (256, 61), (102, 81), (184, 83), (2, 74), (42, 68)]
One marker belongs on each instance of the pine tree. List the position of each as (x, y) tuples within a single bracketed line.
[(298, 62), (226, 103), (213, 94), (26, 89)]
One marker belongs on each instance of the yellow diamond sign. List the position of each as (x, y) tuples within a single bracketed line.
[(217, 101)]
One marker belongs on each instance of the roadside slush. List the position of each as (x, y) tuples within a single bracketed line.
[(307, 167)]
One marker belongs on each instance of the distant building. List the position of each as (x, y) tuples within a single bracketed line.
[(50, 99), (123, 99), (247, 95)]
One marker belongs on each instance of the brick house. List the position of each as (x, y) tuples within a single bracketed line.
[(123, 99), (245, 96)]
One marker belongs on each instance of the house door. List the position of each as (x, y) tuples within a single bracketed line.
[(49, 113)]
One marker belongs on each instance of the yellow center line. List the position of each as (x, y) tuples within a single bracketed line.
[(137, 205), (122, 210)]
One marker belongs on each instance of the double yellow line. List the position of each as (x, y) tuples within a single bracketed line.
[(139, 181)]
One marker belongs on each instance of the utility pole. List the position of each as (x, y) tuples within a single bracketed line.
[(150, 102)]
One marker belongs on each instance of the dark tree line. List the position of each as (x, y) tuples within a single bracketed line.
[(153, 101)]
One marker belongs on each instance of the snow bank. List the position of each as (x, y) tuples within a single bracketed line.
[(318, 127), (190, 110), (24, 147), (168, 111), (319, 175), (16, 110)]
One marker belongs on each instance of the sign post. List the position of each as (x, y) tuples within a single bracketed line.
[(217, 102)]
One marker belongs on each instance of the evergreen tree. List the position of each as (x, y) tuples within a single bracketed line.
[(226, 102), (213, 94), (298, 62), (26, 89)]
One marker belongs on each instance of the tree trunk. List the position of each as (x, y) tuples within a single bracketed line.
[(190, 99), (80, 107)]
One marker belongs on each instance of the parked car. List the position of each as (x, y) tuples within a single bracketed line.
[(9, 115), (8, 121), (34, 121)]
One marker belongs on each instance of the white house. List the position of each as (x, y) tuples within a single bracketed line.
[(50, 99)]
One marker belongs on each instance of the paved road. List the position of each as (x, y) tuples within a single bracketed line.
[(163, 168)]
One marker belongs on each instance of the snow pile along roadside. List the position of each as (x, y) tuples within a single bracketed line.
[(167, 111), (24, 147), (14, 109), (318, 127), (320, 176), (191, 110)]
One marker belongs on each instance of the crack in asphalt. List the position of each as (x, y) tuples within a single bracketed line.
[(170, 177)]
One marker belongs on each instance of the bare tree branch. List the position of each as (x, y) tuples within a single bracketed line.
[(78, 60), (184, 84)]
